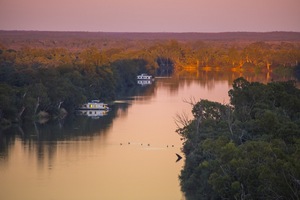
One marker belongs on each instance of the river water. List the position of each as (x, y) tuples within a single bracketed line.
[(129, 153)]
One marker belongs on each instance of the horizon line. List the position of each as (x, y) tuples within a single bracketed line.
[(143, 32)]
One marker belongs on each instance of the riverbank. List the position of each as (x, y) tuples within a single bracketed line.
[(43, 71)]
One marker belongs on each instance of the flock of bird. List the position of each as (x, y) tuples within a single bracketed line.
[(147, 144), (178, 156)]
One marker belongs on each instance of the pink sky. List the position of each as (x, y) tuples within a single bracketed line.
[(150, 15)]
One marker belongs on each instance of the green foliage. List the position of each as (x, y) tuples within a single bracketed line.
[(246, 150), (7, 101), (125, 72), (297, 71), (77, 71), (34, 80)]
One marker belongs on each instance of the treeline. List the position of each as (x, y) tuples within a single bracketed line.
[(46, 79), (48, 83), (182, 54), (248, 149)]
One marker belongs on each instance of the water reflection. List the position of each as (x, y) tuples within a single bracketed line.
[(98, 122), (72, 128), (94, 114), (86, 149), (144, 82)]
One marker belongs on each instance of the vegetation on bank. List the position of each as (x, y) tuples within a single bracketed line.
[(182, 55), (249, 149), (38, 78), (27, 90)]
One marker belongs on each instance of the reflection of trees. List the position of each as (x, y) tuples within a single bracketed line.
[(44, 140), (207, 79), (38, 72), (6, 140)]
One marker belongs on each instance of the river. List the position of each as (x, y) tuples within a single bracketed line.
[(130, 153)]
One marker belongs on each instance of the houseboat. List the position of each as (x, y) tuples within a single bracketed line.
[(94, 105), (144, 79)]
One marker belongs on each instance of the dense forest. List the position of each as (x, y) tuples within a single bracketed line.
[(43, 72), (249, 149), (26, 90)]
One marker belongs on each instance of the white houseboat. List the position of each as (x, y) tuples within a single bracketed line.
[(144, 79), (94, 105)]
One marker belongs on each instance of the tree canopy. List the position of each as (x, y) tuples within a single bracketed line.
[(248, 149), (33, 80), (38, 74)]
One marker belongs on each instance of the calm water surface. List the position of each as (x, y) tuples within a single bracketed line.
[(127, 154)]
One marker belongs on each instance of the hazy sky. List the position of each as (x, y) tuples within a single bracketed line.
[(150, 15)]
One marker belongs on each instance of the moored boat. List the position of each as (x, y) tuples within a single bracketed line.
[(144, 77), (94, 105)]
